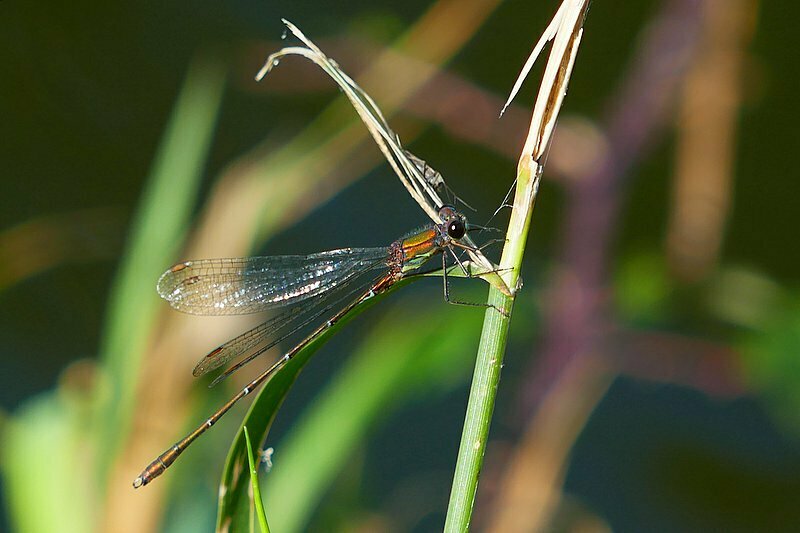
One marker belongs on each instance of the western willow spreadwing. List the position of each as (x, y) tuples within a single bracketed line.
[(313, 287)]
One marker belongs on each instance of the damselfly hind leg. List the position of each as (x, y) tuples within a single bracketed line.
[(468, 273)]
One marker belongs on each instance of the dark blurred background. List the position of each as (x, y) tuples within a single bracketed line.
[(651, 380)]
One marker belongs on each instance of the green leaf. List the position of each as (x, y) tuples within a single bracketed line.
[(259, 504), (410, 356), (233, 513)]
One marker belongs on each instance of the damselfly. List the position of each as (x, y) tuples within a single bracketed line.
[(319, 290)]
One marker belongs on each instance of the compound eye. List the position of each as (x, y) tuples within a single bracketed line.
[(456, 228)]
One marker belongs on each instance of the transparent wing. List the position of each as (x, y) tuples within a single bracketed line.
[(279, 327), (241, 344), (253, 284)]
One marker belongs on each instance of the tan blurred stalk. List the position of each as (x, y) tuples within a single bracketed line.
[(708, 114), (254, 198), (530, 489), (46, 242)]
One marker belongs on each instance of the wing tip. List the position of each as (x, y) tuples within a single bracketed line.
[(207, 363), (168, 282)]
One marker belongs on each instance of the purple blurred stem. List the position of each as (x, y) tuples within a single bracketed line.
[(578, 314)]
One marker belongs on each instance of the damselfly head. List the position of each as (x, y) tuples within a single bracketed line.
[(454, 222)]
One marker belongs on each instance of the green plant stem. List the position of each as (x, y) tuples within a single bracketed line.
[(479, 412), (495, 326), (491, 350)]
